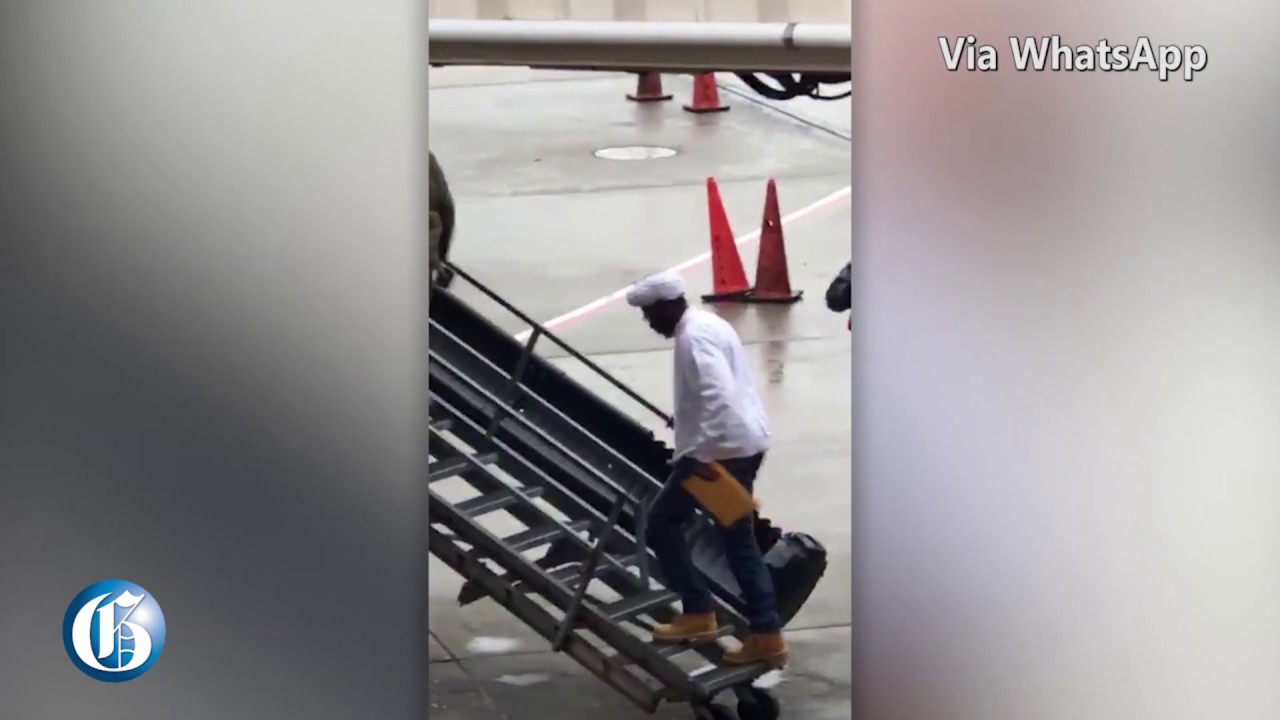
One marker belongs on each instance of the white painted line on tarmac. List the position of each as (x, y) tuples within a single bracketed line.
[(599, 304)]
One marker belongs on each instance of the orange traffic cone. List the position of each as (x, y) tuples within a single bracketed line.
[(706, 96), (728, 279), (773, 281), (648, 88)]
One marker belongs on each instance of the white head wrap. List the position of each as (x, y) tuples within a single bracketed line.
[(656, 288)]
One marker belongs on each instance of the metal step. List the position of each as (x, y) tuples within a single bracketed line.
[(569, 575), (630, 607), (520, 542), (441, 425), (728, 676), (451, 467), (497, 500), (535, 537), (670, 650), (572, 571)]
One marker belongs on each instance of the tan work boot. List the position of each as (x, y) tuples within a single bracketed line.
[(687, 627), (767, 648)]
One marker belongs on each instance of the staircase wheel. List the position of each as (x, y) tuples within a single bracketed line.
[(712, 712), (759, 705)]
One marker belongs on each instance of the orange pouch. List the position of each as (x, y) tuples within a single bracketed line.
[(724, 497)]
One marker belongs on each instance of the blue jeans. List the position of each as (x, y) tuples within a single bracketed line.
[(668, 519)]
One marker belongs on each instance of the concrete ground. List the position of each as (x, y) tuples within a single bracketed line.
[(554, 229)]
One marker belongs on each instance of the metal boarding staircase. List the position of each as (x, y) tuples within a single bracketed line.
[(507, 424)]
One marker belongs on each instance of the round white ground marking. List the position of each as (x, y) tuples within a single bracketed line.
[(635, 152)]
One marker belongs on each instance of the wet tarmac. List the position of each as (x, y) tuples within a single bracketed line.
[(555, 229)]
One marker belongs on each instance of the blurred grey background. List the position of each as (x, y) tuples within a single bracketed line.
[(1066, 398), (211, 365)]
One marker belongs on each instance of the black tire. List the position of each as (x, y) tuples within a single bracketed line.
[(762, 705), (712, 712)]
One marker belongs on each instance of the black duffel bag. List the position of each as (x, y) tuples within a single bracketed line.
[(796, 562)]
